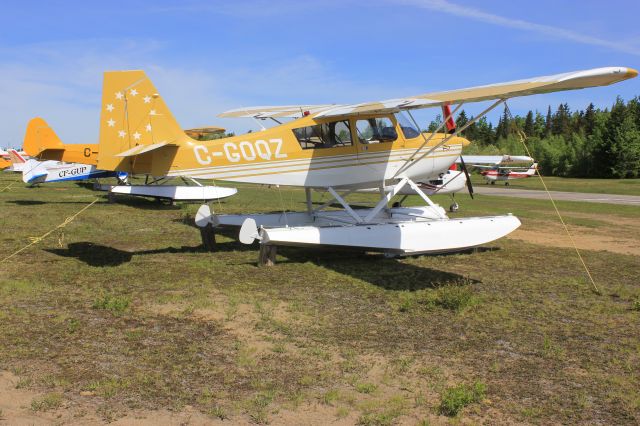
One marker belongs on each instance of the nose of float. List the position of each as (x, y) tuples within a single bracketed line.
[(631, 73)]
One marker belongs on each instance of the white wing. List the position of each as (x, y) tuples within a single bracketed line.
[(532, 86)]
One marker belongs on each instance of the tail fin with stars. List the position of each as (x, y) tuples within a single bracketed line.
[(138, 133)]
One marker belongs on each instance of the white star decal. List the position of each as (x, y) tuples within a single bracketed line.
[(119, 95), (110, 107), (111, 122), (133, 92), (152, 112), (136, 136), (148, 127), (147, 99), (122, 133)]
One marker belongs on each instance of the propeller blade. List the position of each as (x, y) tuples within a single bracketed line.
[(466, 173)]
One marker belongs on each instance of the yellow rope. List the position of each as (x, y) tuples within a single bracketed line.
[(8, 186), (523, 138), (35, 240)]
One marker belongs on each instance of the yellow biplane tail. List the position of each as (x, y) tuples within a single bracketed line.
[(40, 138), (138, 133), (42, 142)]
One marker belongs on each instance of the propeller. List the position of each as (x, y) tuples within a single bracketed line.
[(466, 174)]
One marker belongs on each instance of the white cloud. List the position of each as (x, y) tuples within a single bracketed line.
[(62, 82), (447, 7)]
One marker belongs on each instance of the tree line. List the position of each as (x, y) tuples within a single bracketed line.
[(585, 143)]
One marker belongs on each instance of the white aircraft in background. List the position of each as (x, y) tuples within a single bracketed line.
[(457, 178), (17, 160), (5, 160), (497, 169)]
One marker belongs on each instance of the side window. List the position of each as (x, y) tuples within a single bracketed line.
[(326, 135), (376, 130)]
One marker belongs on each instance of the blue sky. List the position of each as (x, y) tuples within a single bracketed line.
[(209, 56)]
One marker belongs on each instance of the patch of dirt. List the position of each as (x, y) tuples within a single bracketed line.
[(16, 404), (312, 414), (16, 411), (621, 239), (612, 219)]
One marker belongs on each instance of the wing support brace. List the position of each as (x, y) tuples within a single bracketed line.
[(382, 204), (408, 163)]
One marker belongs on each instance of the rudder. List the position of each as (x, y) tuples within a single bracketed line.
[(39, 137), (133, 114)]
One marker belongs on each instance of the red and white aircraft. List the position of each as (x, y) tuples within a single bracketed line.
[(497, 169)]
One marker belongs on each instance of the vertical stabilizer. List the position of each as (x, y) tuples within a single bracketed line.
[(135, 119), (39, 137), (15, 157)]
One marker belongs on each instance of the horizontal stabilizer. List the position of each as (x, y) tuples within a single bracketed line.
[(141, 149)]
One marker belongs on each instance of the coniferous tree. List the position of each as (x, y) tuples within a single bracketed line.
[(589, 119), (561, 124), (548, 123), (502, 130), (529, 129), (461, 119), (539, 125)]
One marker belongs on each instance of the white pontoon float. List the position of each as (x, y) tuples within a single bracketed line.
[(395, 231)]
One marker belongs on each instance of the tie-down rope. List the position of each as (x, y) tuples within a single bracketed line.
[(36, 240), (523, 137)]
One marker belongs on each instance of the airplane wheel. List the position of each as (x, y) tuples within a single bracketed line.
[(506, 184), (208, 235), (493, 182), (454, 207)]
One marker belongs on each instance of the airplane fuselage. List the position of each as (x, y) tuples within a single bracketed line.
[(298, 154), (498, 176)]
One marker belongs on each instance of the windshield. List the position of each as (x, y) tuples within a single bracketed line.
[(408, 128)]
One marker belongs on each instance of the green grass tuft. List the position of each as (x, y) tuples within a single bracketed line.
[(454, 297), (376, 419), (115, 304), (455, 398), (366, 387), (50, 401), (218, 412)]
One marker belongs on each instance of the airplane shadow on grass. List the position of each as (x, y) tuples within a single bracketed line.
[(390, 274), (374, 268), (99, 255), (136, 202)]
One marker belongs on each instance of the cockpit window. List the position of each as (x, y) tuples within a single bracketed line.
[(408, 128), (376, 130), (327, 135)]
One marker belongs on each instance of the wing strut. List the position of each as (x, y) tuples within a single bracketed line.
[(408, 163)]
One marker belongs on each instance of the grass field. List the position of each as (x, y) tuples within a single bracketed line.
[(121, 315), (598, 186)]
